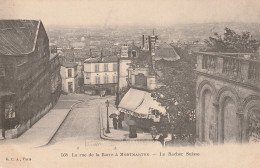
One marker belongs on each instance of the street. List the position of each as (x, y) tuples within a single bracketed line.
[(81, 128), (77, 141), (81, 124)]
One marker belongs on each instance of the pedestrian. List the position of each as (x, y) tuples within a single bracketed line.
[(119, 121), (115, 123), (161, 139)]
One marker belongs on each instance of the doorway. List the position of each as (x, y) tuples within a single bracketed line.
[(70, 87)]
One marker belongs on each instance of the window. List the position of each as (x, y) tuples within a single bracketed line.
[(97, 80), (70, 87), (69, 73), (114, 79), (87, 76), (9, 110), (134, 53), (96, 67), (114, 67), (105, 67), (105, 79)]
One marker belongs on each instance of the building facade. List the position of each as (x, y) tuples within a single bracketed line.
[(142, 78), (80, 71), (124, 64), (228, 98), (55, 76), (69, 78), (25, 79), (100, 75), (128, 52)]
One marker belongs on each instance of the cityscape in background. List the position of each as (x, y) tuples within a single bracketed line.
[(112, 83), (174, 85)]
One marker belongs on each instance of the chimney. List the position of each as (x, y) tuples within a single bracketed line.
[(149, 44), (142, 41), (102, 57)]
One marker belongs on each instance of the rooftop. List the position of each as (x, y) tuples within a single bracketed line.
[(18, 36), (101, 59), (166, 52), (69, 64)]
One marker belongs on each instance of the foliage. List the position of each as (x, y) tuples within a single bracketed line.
[(178, 93), (143, 61), (232, 42)]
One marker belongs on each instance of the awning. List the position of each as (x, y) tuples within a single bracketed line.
[(132, 99), (149, 104), (140, 104)]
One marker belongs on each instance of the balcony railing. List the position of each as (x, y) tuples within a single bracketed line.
[(236, 67)]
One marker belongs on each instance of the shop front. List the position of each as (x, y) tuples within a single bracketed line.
[(7, 112), (139, 106)]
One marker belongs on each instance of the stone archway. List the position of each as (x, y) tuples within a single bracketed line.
[(206, 113), (228, 119), (208, 117), (251, 122), (254, 125)]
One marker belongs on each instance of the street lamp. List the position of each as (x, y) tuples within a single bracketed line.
[(107, 104)]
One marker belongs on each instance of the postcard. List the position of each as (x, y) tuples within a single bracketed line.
[(129, 83)]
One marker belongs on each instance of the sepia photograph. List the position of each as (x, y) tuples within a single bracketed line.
[(129, 83)]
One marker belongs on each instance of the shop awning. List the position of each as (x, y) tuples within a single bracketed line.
[(149, 104), (132, 99), (140, 104)]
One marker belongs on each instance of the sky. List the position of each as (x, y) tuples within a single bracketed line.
[(131, 12)]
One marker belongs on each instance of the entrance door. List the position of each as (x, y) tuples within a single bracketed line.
[(230, 121), (2, 117), (254, 125), (208, 117), (70, 87)]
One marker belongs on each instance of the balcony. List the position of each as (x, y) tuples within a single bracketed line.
[(242, 68)]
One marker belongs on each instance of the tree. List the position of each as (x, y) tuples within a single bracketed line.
[(232, 42), (178, 93)]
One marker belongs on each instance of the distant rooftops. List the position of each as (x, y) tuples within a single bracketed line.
[(18, 36), (101, 59), (166, 52), (69, 64)]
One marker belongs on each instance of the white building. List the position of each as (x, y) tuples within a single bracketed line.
[(69, 77), (127, 53), (100, 75)]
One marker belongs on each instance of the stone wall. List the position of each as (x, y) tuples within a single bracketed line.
[(222, 109)]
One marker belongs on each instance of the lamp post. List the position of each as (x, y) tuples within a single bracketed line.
[(107, 104)]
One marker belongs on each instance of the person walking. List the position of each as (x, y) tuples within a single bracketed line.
[(115, 123), (120, 120)]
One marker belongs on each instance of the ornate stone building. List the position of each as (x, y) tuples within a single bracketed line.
[(55, 76), (228, 98)]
